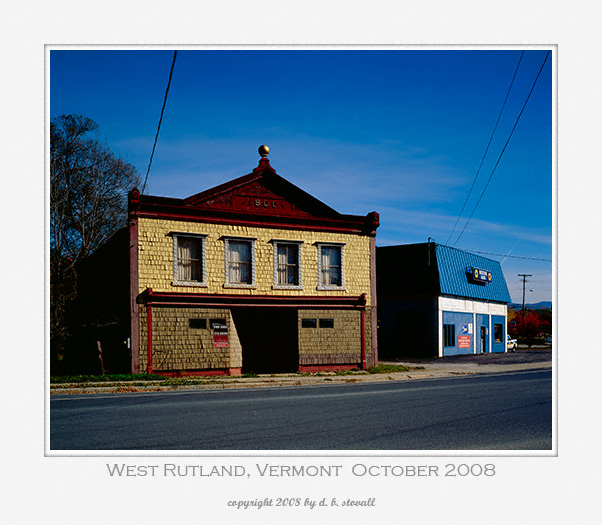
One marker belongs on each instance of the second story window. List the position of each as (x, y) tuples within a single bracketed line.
[(240, 262), (287, 264), (330, 266), (189, 259)]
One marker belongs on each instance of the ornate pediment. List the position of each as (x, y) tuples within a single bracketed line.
[(262, 192), (255, 199), (260, 198)]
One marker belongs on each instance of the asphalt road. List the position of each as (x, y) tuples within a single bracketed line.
[(507, 411)]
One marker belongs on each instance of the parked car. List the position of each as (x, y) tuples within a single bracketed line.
[(511, 344)]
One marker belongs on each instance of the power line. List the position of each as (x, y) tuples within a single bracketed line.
[(511, 256), (160, 119), (486, 149), (505, 146)]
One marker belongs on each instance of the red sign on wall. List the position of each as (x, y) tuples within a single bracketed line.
[(220, 336), (464, 341), (220, 340)]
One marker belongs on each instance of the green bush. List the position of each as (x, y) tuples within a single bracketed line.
[(387, 369)]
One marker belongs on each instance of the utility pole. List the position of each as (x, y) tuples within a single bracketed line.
[(524, 276)]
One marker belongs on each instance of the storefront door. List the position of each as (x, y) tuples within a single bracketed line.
[(483, 340)]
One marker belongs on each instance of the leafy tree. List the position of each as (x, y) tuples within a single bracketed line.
[(545, 320), (531, 326), (88, 203), (536, 324)]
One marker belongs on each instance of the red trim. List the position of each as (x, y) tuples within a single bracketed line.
[(264, 164), (289, 206), (228, 187), (363, 336), (374, 304), (259, 221), (327, 368), (134, 309), (253, 305), (205, 372), (236, 300), (262, 182), (149, 334)]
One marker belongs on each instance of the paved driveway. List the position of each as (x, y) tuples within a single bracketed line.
[(479, 363)]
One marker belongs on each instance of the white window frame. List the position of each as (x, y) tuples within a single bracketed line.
[(321, 285), (277, 285), (197, 236), (227, 241)]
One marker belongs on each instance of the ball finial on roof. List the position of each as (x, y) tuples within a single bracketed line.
[(263, 151)]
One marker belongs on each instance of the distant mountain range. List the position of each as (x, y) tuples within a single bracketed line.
[(533, 306)]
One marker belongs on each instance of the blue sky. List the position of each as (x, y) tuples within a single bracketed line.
[(401, 132)]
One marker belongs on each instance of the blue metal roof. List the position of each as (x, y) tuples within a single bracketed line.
[(455, 275)]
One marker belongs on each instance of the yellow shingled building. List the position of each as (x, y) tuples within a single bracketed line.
[(254, 275)]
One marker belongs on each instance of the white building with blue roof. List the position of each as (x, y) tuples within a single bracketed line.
[(436, 301)]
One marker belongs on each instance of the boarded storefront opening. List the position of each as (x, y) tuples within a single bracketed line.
[(268, 337)]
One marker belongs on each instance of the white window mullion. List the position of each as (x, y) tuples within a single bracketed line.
[(239, 262), (189, 259), (331, 266), (287, 264)]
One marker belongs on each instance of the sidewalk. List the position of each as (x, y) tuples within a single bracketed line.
[(418, 369)]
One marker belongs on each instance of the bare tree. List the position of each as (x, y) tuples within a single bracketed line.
[(88, 204)]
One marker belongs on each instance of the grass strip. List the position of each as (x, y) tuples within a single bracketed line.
[(387, 369)]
